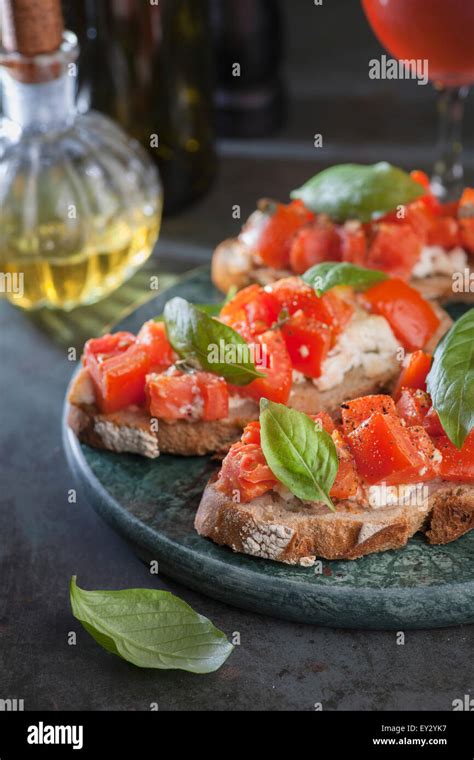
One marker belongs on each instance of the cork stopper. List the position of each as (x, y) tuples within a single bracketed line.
[(31, 27)]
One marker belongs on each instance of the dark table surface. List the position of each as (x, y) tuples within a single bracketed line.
[(44, 539)]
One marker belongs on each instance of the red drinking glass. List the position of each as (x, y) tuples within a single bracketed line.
[(440, 32)]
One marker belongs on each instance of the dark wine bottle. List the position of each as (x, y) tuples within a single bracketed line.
[(149, 66), (249, 96)]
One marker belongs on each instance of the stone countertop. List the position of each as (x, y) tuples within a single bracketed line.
[(45, 539)]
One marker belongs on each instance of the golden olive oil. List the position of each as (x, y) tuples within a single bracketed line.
[(75, 275)]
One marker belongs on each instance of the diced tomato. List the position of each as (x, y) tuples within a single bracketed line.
[(314, 244), (244, 474), (261, 308), (413, 405), (347, 480), (421, 177), (238, 321), (153, 338), (426, 449), (414, 372), (272, 234), (457, 464), (353, 243), (432, 423), (294, 295), (276, 364), (179, 396), (394, 248), (411, 318), (357, 411), (340, 309), (383, 451), (308, 342), (251, 433), (325, 420), (444, 231), (118, 368), (450, 208), (466, 219)]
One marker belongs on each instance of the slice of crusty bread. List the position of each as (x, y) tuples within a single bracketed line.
[(130, 430), (233, 266), (297, 533)]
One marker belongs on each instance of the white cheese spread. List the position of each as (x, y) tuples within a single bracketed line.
[(436, 260)]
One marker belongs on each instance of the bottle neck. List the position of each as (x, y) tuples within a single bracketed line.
[(39, 93), (42, 106)]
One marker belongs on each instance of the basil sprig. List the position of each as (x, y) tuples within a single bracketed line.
[(150, 629), (451, 379), (217, 348), (355, 191), (300, 454), (323, 277)]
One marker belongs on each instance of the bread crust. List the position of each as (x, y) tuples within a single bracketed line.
[(297, 534), (234, 265)]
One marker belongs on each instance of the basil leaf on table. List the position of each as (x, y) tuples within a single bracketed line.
[(450, 381), (356, 191), (323, 277), (192, 334), (150, 629), (300, 455)]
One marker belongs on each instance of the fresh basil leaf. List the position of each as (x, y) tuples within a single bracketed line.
[(355, 191), (211, 309), (150, 629), (450, 381), (217, 347), (323, 277), (302, 456)]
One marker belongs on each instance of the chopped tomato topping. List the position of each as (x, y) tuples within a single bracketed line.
[(427, 451), (432, 423), (118, 368), (353, 243), (334, 308), (384, 452), (179, 396), (251, 433), (340, 308), (261, 308), (413, 405), (314, 244), (411, 318), (239, 322), (308, 342), (276, 364), (414, 373), (273, 234), (153, 338), (444, 231), (347, 480), (245, 474), (357, 411), (466, 219), (325, 420), (394, 248), (421, 177), (457, 464)]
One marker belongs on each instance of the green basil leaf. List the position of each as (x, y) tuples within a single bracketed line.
[(355, 191), (302, 456), (150, 629), (323, 277), (451, 379), (211, 309), (217, 347)]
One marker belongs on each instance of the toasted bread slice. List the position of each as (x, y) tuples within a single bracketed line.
[(130, 430), (297, 533), (234, 266)]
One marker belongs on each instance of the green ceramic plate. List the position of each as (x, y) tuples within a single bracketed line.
[(153, 503)]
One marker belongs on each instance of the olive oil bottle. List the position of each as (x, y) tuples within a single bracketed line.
[(80, 203), (149, 66)]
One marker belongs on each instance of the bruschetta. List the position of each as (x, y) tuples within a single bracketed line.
[(422, 241), (397, 473), (176, 387)]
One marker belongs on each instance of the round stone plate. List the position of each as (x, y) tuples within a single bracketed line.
[(153, 503)]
